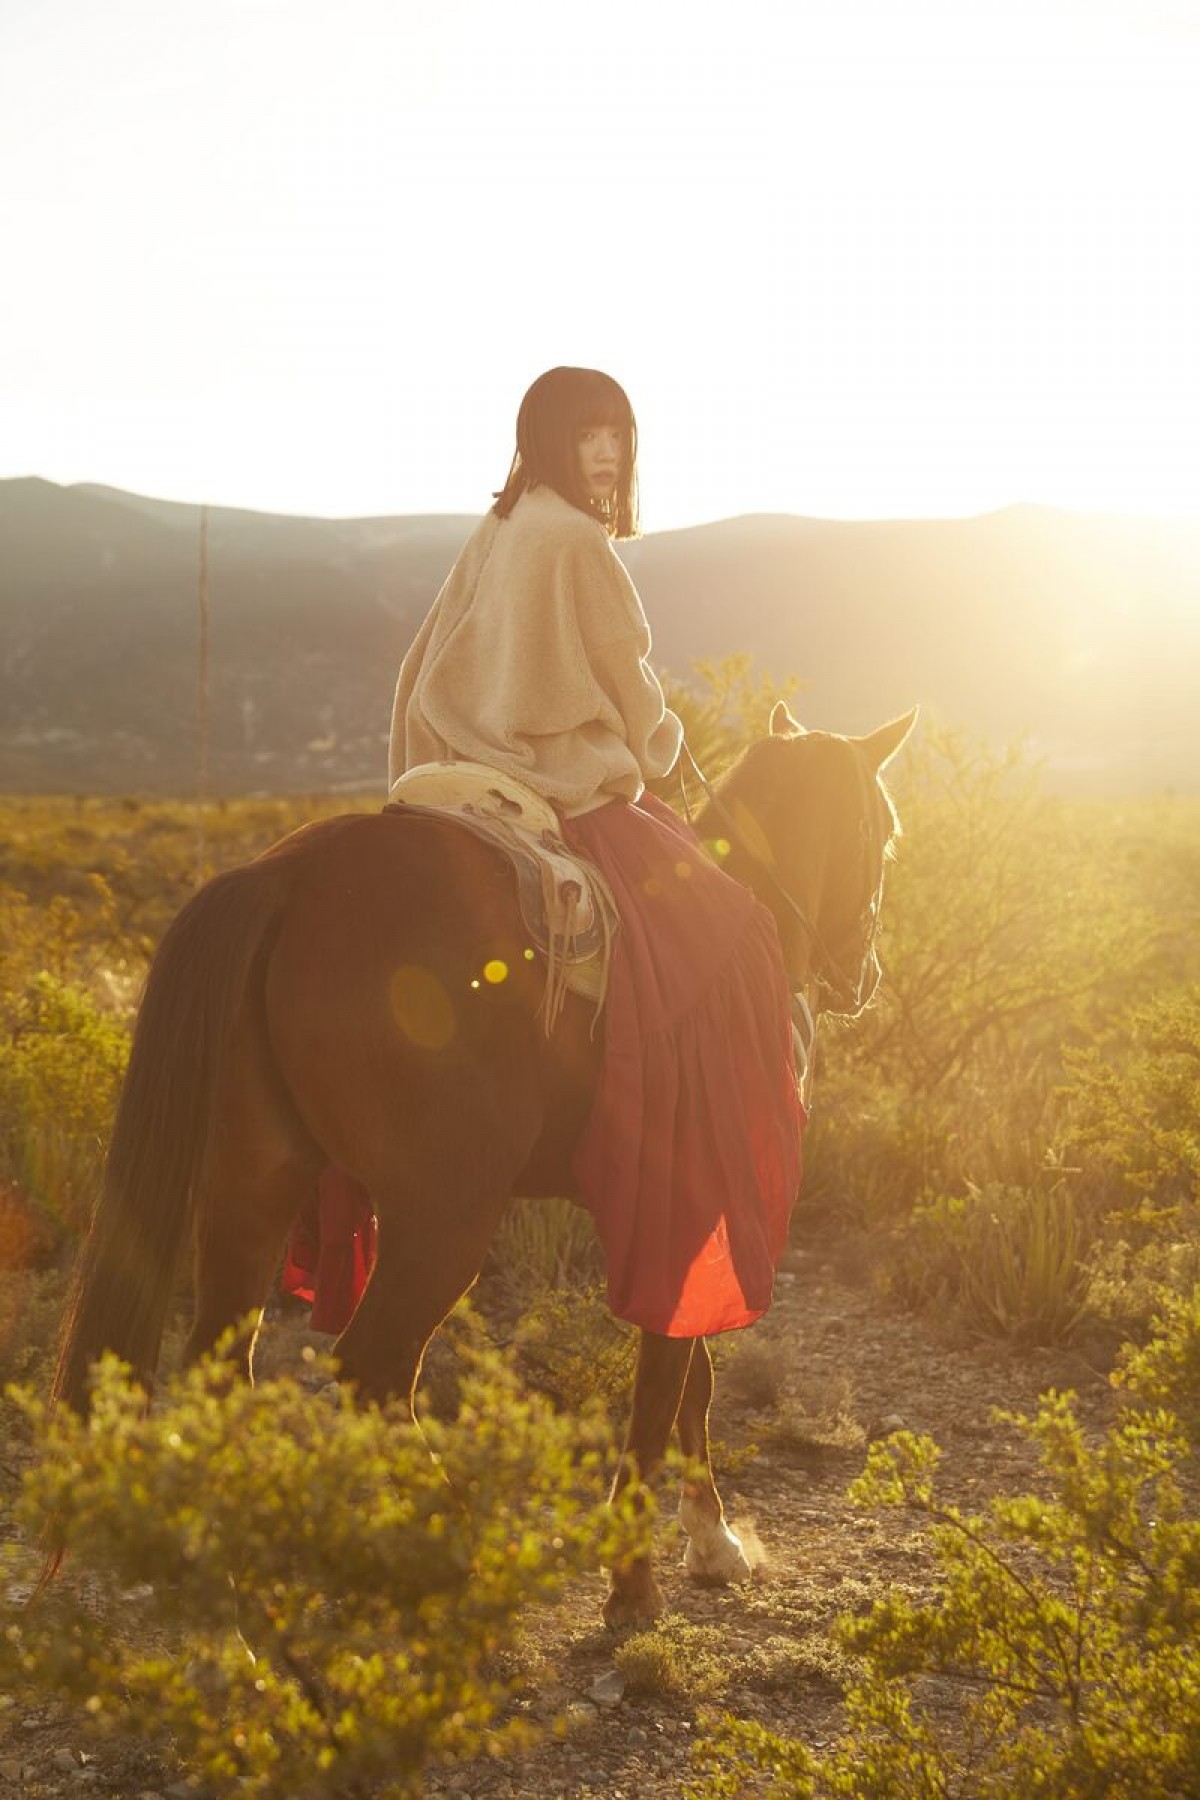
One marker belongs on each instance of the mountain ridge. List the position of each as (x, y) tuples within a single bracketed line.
[(1078, 633)]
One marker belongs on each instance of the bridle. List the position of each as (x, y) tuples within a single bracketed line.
[(848, 992)]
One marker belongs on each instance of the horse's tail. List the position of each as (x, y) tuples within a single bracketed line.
[(164, 1123)]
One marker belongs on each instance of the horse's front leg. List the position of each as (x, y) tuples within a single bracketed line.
[(714, 1552), (634, 1597)]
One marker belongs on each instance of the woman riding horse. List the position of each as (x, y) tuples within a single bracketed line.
[(322, 1004)]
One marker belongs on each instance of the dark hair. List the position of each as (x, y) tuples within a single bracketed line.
[(560, 404)]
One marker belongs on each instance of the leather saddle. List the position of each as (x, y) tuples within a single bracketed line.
[(566, 904)]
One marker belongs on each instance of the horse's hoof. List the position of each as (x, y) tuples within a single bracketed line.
[(633, 1606), (718, 1560)]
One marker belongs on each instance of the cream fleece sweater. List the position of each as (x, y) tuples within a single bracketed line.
[(533, 660)]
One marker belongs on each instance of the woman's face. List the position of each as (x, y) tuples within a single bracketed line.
[(601, 449)]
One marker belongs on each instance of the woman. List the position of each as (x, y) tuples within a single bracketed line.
[(533, 660)]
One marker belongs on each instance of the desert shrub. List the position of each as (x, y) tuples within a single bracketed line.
[(1129, 1283), (1006, 935), (780, 1664), (818, 1418), (142, 855), (61, 1067), (675, 1658), (1165, 1371), (999, 1262), (1060, 1655), (571, 1349), (546, 1244), (31, 1307), (302, 1597), (1135, 1111), (753, 1367)]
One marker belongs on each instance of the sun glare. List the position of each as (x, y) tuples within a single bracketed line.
[(848, 261)]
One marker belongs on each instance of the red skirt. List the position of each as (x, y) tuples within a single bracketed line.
[(690, 1161)]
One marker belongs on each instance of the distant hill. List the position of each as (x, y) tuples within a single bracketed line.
[(1079, 634)]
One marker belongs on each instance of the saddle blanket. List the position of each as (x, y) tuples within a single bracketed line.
[(565, 902)]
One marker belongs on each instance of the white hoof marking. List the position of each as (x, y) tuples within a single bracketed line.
[(716, 1556)]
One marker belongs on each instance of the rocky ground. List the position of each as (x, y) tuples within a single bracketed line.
[(828, 1369)]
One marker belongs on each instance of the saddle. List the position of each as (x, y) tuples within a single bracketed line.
[(566, 904)]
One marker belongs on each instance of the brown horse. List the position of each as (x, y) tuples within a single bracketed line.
[(322, 1004)]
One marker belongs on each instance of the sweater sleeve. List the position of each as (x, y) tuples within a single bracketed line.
[(620, 650), (652, 731)]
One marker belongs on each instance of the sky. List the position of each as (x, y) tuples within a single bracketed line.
[(850, 258)]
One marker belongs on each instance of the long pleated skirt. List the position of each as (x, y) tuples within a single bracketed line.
[(690, 1161)]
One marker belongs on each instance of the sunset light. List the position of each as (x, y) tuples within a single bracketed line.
[(849, 260)]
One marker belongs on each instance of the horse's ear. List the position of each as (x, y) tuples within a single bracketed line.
[(782, 723), (880, 746)]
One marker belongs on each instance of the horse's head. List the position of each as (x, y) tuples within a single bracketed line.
[(805, 820)]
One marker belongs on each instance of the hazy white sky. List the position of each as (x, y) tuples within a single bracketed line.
[(849, 257)]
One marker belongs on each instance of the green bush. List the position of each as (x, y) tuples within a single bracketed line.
[(571, 1349), (1007, 934), (1001, 1262), (302, 1597), (1165, 1372), (1135, 1112), (1060, 1655), (61, 1067), (675, 1658)]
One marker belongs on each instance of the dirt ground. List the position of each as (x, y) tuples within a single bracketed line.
[(830, 1367)]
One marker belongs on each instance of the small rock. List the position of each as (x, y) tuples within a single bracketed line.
[(66, 1760), (881, 1428), (608, 1689), (581, 1712), (11, 1767)]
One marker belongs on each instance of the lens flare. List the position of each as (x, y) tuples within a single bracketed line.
[(421, 1007)]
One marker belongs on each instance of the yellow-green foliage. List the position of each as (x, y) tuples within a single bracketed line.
[(1004, 1262), (571, 1349), (1063, 1640), (146, 855), (675, 1658), (1010, 930), (86, 889), (61, 1065), (301, 1597), (1136, 1108), (1165, 1371)]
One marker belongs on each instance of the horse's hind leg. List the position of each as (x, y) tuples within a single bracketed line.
[(634, 1596), (260, 1170), (428, 1255), (714, 1553)]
